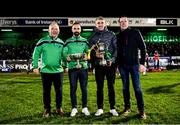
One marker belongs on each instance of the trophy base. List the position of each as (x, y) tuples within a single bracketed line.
[(78, 66), (103, 63)]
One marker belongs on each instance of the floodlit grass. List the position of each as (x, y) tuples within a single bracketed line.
[(21, 101)]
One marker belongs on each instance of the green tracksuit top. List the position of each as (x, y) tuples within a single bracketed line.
[(50, 51), (75, 45)]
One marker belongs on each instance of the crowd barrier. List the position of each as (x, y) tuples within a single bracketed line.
[(168, 62)]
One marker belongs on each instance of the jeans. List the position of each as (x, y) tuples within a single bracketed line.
[(74, 76), (132, 70)]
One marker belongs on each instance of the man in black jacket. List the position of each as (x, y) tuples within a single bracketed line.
[(129, 41), (104, 52)]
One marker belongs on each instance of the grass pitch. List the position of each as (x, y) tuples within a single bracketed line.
[(21, 100)]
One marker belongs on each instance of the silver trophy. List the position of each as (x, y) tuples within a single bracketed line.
[(77, 57), (101, 48)]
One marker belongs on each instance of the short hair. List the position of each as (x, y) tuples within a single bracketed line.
[(99, 18), (76, 23), (121, 17), (53, 23)]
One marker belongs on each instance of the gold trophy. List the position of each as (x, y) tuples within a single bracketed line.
[(77, 57)]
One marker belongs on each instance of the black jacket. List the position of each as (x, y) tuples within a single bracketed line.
[(129, 42), (109, 38)]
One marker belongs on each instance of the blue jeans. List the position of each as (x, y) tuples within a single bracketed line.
[(132, 70), (74, 76)]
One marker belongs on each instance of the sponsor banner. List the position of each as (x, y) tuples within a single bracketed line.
[(89, 21), (14, 65), (17, 65), (166, 22), (163, 61), (31, 22), (83, 21), (113, 22), (178, 23), (142, 22), (24, 65)]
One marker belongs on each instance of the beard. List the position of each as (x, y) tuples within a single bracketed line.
[(76, 34)]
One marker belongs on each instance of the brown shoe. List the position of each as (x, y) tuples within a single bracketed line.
[(60, 112), (46, 113), (142, 115), (126, 112)]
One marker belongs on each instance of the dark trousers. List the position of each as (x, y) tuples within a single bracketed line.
[(100, 73), (132, 70), (74, 76), (47, 80)]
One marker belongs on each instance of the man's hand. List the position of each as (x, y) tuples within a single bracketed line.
[(68, 58), (93, 47), (142, 68), (66, 70), (109, 63), (99, 54), (36, 71), (85, 57)]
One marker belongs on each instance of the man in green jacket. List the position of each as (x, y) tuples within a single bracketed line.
[(49, 49), (75, 53)]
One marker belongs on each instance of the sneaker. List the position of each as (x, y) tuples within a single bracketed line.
[(46, 113), (126, 112), (85, 111), (142, 115), (99, 112), (114, 112), (73, 112), (60, 112)]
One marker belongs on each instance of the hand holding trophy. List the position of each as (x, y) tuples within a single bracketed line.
[(100, 52), (77, 57), (85, 57)]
